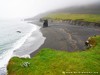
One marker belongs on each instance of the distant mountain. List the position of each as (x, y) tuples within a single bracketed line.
[(85, 9)]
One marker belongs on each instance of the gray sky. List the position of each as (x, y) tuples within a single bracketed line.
[(29, 8)]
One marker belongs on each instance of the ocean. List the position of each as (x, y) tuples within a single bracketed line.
[(13, 34)]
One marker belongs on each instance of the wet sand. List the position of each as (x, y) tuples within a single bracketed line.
[(62, 36)]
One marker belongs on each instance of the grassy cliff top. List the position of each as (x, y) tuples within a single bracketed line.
[(84, 17), (53, 62)]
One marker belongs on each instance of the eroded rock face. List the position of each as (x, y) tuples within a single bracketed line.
[(82, 23), (79, 22)]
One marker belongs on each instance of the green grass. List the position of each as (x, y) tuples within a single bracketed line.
[(53, 62), (84, 17)]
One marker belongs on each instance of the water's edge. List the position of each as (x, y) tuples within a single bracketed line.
[(23, 41)]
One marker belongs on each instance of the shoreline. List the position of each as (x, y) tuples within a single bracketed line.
[(32, 43), (65, 37), (24, 42), (8, 54), (59, 36)]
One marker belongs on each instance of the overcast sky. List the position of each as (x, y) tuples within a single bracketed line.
[(30, 8)]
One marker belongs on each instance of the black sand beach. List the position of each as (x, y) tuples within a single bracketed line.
[(62, 36)]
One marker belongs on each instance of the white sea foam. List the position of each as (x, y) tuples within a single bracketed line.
[(31, 44), (20, 42), (3, 62)]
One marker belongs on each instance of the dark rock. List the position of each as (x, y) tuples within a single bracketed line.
[(97, 24), (18, 31), (45, 24)]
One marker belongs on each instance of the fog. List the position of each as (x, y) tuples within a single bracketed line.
[(10, 9)]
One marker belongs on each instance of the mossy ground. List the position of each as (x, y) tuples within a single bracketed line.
[(84, 17), (54, 62)]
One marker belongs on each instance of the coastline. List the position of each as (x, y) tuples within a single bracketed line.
[(17, 41), (58, 36), (62, 36), (32, 43), (21, 48)]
